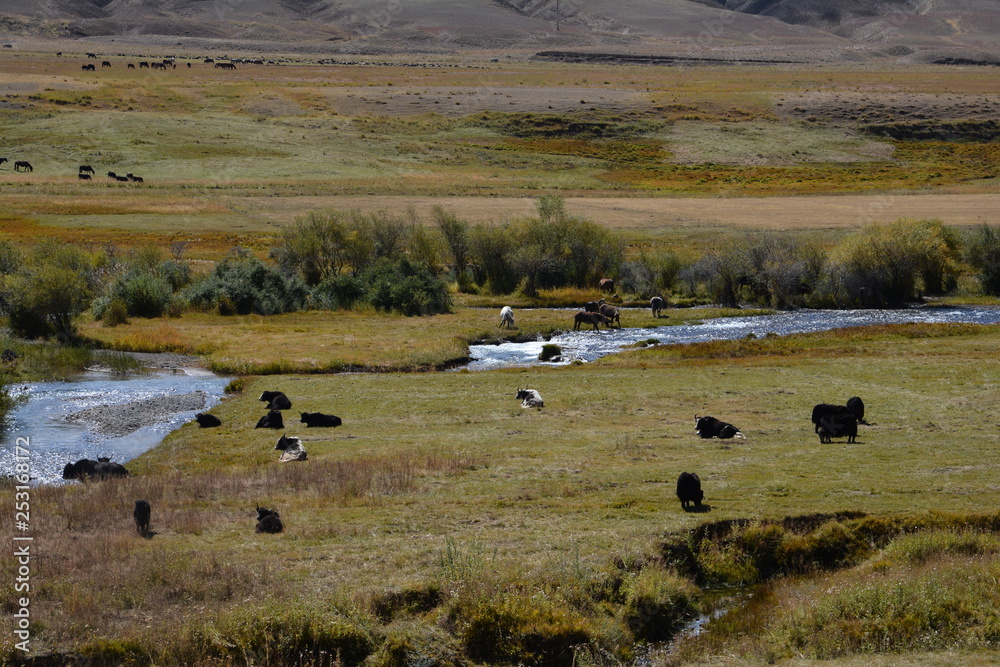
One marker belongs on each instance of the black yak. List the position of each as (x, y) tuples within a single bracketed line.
[(275, 400), (271, 420), (320, 419), (837, 426), (268, 521), (206, 420), (710, 427), (689, 489), (141, 516)]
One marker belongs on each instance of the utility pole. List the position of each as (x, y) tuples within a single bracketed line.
[(557, 16)]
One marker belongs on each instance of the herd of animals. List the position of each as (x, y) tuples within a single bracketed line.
[(830, 421), (84, 173), (291, 448), (594, 314)]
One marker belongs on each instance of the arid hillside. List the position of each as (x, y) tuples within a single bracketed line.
[(851, 30)]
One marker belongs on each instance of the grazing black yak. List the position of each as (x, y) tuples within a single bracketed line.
[(837, 426), (689, 489), (822, 410), (141, 516)]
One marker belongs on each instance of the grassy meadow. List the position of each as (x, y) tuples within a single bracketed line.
[(442, 524)]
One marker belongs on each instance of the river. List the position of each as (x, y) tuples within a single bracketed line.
[(588, 345)]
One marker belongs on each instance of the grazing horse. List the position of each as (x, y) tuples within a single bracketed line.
[(588, 318), (506, 318), (143, 63), (105, 64), (2, 160), (86, 168), (131, 65), (656, 304), (21, 165), (87, 68), (92, 55)]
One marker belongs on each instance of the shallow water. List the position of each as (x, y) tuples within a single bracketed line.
[(588, 345), (54, 442)]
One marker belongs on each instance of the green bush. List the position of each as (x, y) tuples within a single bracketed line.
[(246, 285), (549, 351), (144, 295), (114, 314), (983, 255), (400, 286), (44, 300), (339, 291)]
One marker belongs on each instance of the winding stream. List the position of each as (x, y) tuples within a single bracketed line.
[(54, 441), (588, 346)]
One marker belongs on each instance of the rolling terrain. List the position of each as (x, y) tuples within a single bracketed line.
[(842, 30)]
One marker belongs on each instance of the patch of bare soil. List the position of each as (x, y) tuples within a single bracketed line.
[(880, 107)]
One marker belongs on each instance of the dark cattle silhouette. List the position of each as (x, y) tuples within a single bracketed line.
[(593, 306), (657, 304), (9, 356), (206, 420), (689, 489), (59, 53), (88, 68), (83, 177), (837, 426), (272, 419), (143, 63), (318, 419), (86, 168), (105, 64), (102, 468), (131, 65), (134, 178), (588, 318), (821, 410), (225, 65), (92, 55), (158, 66), (121, 179), (268, 521), (857, 408), (606, 285), (275, 400), (209, 60), (2, 160), (141, 515), (21, 165), (710, 427), (611, 314), (112, 174)]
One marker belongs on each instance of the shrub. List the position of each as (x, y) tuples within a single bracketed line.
[(549, 352), (983, 254), (116, 313), (404, 288), (142, 293), (339, 291), (315, 246), (44, 300), (245, 285)]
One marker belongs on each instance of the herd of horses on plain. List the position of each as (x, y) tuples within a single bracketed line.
[(85, 172)]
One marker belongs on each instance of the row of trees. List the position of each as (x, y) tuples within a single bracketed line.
[(396, 263)]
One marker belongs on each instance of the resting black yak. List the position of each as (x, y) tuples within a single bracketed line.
[(206, 420), (275, 400), (319, 419), (271, 420), (87, 468), (689, 489), (141, 516), (268, 521), (710, 427)]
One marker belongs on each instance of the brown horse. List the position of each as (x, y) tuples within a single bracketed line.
[(594, 319), (21, 165)]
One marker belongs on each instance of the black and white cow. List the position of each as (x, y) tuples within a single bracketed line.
[(530, 398), (710, 427), (291, 449)]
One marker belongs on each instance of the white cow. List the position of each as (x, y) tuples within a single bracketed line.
[(507, 317)]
